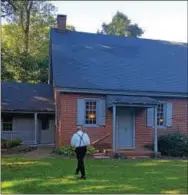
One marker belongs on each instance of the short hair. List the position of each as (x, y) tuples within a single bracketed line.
[(80, 126)]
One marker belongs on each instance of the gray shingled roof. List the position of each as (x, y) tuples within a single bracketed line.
[(93, 61), (114, 99), (26, 97)]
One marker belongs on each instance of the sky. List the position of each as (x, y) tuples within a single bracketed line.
[(162, 20)]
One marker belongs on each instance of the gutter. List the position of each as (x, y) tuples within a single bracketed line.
[(121, 92)]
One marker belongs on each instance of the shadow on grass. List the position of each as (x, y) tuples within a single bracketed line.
[(51, 176), (64, 185)]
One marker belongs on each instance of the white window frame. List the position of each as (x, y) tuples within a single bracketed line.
[(97, 112), (164, 115)]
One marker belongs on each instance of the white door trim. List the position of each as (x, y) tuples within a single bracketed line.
[(133, 129)]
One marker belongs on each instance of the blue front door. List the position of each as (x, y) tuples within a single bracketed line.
[(124, 128)]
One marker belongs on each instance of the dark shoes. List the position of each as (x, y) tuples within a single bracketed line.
[(76, 172), (83, 177)]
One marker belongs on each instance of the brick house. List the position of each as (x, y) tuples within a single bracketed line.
[(124, 91)]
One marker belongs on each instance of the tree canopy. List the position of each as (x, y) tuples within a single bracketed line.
[(25, 39), (121, 25)]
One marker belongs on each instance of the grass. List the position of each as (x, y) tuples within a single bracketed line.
[(55, 176)]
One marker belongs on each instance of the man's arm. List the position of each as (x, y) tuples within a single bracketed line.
[(87, 139), (73, 140)]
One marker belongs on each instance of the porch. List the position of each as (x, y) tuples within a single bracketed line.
[(32, 128), (124, 112)]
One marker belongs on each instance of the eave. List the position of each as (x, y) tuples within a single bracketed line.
[(121, 92)]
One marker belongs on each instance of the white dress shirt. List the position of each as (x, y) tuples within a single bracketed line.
[(80, 139)]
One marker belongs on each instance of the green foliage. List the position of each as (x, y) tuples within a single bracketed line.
[(25, 40), (71, 28), (173, 144), (10, 143), (66, 150), (91, 150), (69, 150), (121, 25), (14, 142), (3, 143)]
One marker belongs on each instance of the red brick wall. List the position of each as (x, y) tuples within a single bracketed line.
[(67, 116), (143, 134), (179, 115)]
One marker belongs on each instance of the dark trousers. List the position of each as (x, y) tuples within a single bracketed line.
[(80, 154)]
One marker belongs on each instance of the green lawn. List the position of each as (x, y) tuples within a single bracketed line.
[(50, 176)]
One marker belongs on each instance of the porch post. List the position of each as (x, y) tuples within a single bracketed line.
[(114, 128), (155, 131), (36, 127)]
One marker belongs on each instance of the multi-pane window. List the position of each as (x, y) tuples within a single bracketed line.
[(45, 122), (161, 115), (90, 112), (7, 123)]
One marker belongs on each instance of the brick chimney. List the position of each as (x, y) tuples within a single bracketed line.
[(61, 22)]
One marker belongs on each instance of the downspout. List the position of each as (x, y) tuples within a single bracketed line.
[(155, 132), (114, 128), (36, 127)]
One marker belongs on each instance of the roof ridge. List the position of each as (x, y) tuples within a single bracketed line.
[(136, 38), (23, 83)]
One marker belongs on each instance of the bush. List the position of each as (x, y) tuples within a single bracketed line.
[(91, 150), (23, 149), (10, 143), (69, 150), (66, 150), (173, 144), (3, 143), (13, 142)]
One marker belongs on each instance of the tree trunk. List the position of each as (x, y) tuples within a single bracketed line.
[(28, 12)]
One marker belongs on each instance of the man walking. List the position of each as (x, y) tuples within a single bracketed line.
[(80, 140)]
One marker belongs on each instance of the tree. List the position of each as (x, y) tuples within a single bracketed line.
[(71, 28), (25, 39), (121, 25)]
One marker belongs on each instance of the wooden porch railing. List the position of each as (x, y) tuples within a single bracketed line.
[(98, 140), (28, 137)]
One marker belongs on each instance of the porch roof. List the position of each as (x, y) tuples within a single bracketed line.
[(131, 101), (22, 97)]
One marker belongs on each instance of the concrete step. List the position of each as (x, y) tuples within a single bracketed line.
[(132, 153), (100, 156), (138, 157)]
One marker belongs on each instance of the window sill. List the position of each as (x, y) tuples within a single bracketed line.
[(90, 126), (161, 127)]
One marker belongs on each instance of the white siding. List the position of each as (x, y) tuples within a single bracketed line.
[(24, 129)]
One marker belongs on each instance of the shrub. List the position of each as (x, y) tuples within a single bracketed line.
[(66, 150), (69, 150), (23, 149), (173, 144), (91, 150), (3, 143), (10, 143), (13, 142)]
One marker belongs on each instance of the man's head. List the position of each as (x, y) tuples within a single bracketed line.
[(79, 127)]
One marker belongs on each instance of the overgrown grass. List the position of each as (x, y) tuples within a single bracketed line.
[(50, 176)]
